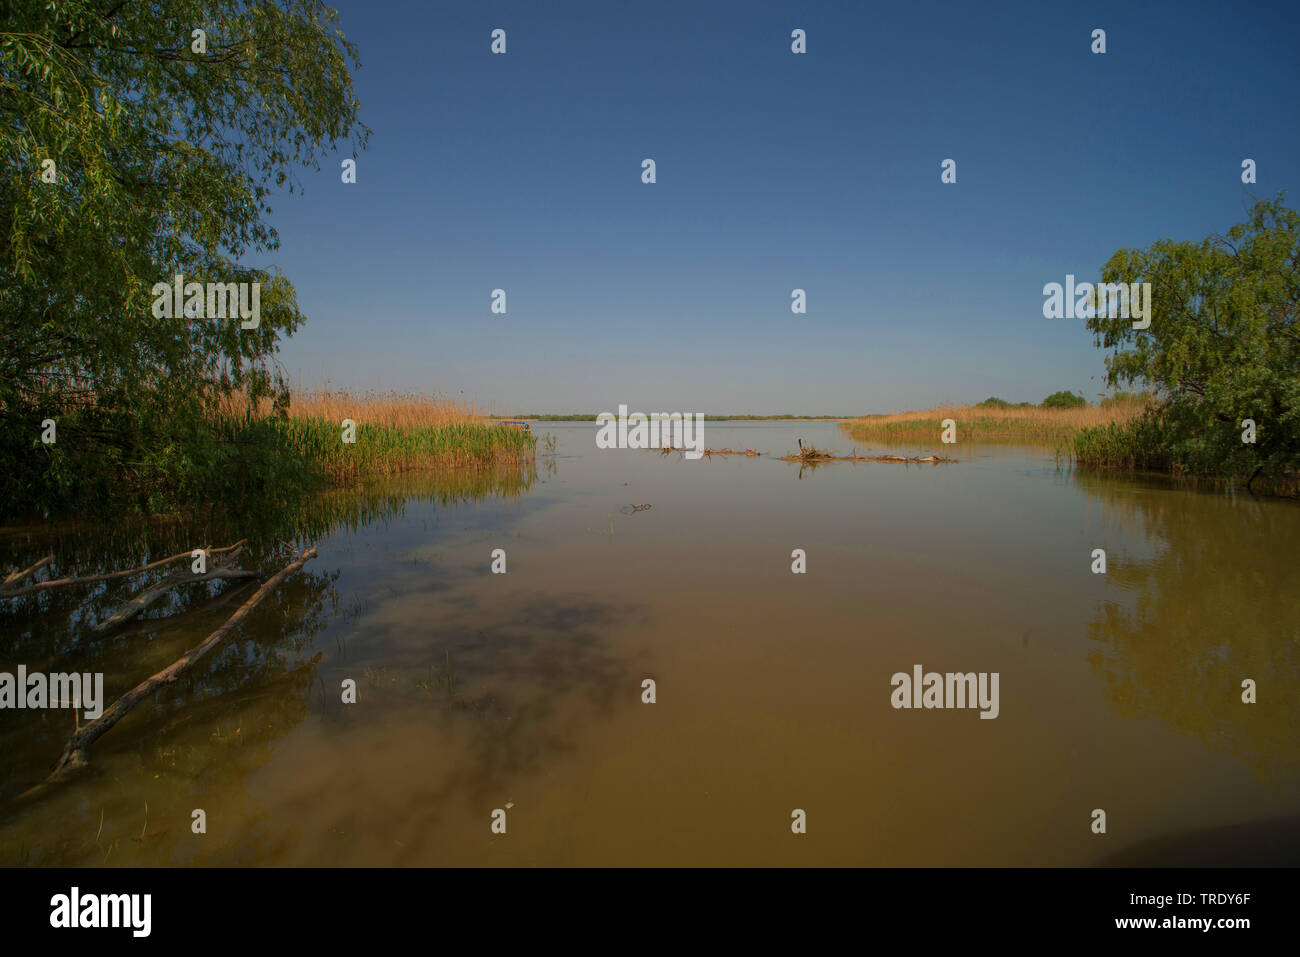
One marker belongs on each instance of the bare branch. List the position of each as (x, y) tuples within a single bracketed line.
[(109, 576), (76, 753)]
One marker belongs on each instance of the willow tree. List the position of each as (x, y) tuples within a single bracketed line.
[(142, 140), (1222, 347)]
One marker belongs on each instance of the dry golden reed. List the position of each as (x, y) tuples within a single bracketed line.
[(982, 424), (401, 409)]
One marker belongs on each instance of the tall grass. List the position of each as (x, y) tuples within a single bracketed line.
[(395, 432), (401, 409), (983, 424), (390, 449), (1135, 444), (1159, 442)]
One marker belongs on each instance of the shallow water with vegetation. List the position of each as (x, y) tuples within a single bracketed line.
[(523, 691)]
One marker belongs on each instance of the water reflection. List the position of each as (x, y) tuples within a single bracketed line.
[(1217, 602), (221, 722)]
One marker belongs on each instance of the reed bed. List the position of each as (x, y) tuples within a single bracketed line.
[(391, 449), (404, 409), (1135, 444), (395, 433), (1143, 444), (397, 409), (1036, 426)]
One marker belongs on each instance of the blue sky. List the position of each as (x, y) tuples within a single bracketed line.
[(775, 171)]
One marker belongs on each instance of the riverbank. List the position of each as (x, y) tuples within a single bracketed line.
[(230, 452)]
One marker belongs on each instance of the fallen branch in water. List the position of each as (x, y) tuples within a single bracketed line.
[(145, 598), (76, 753), (18, 576), (669, 449), (815, 455), (8, 592)]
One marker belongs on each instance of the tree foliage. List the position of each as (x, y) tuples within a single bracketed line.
[(1223, 345), (1064, 400), (165, 161)]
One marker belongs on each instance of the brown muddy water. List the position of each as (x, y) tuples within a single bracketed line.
[(1119, 691)]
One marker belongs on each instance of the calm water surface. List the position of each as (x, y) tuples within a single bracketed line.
[(1119, 691)]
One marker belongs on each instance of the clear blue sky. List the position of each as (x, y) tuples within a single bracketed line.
[(775, 171)]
